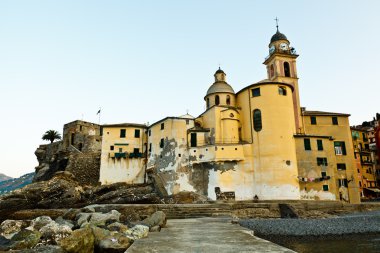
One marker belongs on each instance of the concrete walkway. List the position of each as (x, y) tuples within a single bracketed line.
[(203, 235)]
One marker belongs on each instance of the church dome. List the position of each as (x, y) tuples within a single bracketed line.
[(220, 87), (278, 36)]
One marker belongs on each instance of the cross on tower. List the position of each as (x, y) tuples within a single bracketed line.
[(276, 23)]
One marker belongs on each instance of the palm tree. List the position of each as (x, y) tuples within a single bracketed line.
[(51, 135)]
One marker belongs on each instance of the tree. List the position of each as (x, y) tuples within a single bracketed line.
[(51, 135)]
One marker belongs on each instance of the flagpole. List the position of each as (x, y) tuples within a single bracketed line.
[(100, 111)]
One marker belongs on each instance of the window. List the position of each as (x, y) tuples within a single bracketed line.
[(323, 174), (257, 123), (162, 126), (256, 92), (217, 101), (80, 128), (282, 91), (120, 150), (360, 184), (112, 147), (340, 148), (193, 139), (325, 188), (136, 150), (341, 166), (320, 145), (306, 143), (271, 70), (137, 133), (122, 133), (322, 161), (150, 147), (187, 122), (313, 120), (208, 102), (342, 182), (162, 143), (358, 170), (150, 132), (228, 100), (287, 69), (335, 120)]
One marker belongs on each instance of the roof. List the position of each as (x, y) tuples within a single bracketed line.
[(164, 119), (220, 87), (125, 125), (219, 71), (265, 82), (186, 116), (320, 113), (278, 36)]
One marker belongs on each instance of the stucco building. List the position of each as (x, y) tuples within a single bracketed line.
[(256, 142)]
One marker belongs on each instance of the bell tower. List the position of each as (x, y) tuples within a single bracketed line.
[(281, 67)]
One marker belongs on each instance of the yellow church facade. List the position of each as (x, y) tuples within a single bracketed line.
[(255, 143)]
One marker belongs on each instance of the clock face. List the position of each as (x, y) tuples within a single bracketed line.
[(271, 49), (283, 46)]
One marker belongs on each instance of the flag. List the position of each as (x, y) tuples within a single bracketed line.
[(98, 112)]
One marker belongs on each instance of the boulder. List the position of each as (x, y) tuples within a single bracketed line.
[(116, 243), (155, 229), (137, 232), (104, 219), (40, 222), (97, 219), (99, 234), (118, 227), (25, 239), (62, 221), (4, 243), (156, 219), (8, 228), (53, 232), (80, 241), (45, 249)]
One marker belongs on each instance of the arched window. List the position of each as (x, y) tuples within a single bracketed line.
[(257, 123), (282, 91), (287, 69), (208, 102), (271, 70), (217, 100), (228, 100)]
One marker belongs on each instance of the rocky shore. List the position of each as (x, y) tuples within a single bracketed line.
[(89, 231)]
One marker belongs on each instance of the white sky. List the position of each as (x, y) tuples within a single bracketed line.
[(141, 61)]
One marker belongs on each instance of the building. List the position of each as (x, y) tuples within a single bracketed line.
[(255, 143), (367, 157)]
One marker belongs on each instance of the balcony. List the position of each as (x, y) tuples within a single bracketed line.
[(121, 155), (217, 153), (367, 162)]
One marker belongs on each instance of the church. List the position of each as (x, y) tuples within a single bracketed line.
[(256, 143)]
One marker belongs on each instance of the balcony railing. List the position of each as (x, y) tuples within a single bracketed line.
[(291, 51), (120, 155), (217, 142)]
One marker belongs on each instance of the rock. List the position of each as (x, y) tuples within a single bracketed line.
[(80, 241), (4, 243), (156, 219), (25, 239), (45, 249), (99, 234), (104, 219), (62, 221), (53, 232), (116, 243), (88, 209), (155, 229), (82, 218), (235, 220), (118, 227), (97, 219), (8, 228), (137, 232), (40, 222)]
